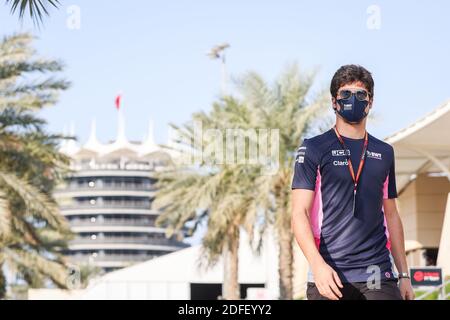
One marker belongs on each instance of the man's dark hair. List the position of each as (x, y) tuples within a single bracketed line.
[(351, 73)]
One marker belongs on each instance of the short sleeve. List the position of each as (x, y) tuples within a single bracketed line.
[(305, 167), (390, 187)]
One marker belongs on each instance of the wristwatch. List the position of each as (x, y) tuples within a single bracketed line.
[(403, 275)]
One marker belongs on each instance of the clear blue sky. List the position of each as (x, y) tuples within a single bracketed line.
[(155, 52)]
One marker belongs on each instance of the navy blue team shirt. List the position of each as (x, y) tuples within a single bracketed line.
[(355, 244)]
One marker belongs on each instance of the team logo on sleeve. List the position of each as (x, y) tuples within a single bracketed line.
[(300, 156)]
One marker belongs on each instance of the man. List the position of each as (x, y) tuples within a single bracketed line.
[(344, 211)]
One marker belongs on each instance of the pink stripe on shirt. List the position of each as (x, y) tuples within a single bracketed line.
[(385, 196), (316, 214)]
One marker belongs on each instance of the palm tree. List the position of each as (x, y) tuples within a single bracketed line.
[(211, 192), (233, 195), (36, 8), (32, 231)]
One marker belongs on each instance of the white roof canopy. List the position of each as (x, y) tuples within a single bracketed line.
[(423, 147), (120, 146)]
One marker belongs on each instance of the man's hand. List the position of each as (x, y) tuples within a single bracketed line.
[(327, 281), (406, 289)]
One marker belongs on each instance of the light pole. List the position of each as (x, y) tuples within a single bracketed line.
[(218, 52)]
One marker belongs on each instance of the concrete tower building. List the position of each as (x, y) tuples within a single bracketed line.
[(108, 200)]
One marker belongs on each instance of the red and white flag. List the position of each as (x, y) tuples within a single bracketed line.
[(118, 101)]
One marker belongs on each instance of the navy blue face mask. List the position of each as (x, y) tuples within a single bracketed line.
[(352, 109)]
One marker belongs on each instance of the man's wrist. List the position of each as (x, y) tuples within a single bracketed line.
[(317, 261), (403, 275)]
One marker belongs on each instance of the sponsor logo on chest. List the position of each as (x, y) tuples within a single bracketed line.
[(346, 152), (340, 163), (339, 153), (373, 155)]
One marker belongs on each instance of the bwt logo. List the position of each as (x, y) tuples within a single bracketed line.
[(338, 153), (374, 155)]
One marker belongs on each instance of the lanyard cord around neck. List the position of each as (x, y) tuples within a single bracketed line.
[(349, 161)]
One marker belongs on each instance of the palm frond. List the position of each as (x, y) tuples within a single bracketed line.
[(16, 48), (32, 230), (37, 203), (5, 217), (35, 8), (30, 260)]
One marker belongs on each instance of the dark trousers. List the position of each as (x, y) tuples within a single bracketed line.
[(388, 290)]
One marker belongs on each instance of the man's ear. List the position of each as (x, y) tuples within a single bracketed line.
[(369, 105), (334, 103)]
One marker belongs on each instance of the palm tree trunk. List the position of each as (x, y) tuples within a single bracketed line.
[(285, 260), (2, 283), (285, 240), (230, 288)]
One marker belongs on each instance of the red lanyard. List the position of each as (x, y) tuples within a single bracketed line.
[(349, 162)]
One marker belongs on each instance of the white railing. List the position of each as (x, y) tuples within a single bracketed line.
[(111, 222), (111, 257), (120, 240), (109, 204), (106, 187), (441, 290)]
